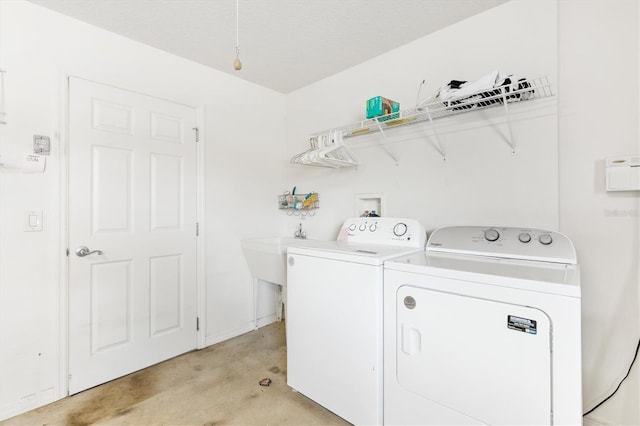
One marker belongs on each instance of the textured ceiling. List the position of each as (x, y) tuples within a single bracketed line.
[(284, 44)]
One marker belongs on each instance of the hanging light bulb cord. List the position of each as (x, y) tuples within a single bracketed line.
[(237, 27), (237, 65)]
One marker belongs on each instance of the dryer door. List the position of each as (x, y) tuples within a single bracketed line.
[(485, 359)]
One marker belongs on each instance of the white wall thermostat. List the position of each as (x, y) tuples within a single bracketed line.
[(41, 145), (623, 173)]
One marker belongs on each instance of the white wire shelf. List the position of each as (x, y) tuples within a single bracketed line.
[(433, 109)]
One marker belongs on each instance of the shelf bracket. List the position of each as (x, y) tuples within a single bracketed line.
[(511, 141), (383, 143), (436, 137)]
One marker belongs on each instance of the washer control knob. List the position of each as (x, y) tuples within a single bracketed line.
[(491, 235), (525, 237), (545, 239), (400, 229), (373, 227), (363, 226), (352, 227)]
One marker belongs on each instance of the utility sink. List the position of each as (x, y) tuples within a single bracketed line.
[(267, 257)]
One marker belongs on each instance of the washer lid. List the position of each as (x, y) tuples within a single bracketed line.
[(544, 277), (370, 254)]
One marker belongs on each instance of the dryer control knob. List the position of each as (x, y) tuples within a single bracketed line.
[(363, 226), (352, 227), (400, 229), (373, 227), (491, 235), (545, 239), (525, 237)]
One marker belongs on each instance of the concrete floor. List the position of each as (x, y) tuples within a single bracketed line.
[(217, 385)]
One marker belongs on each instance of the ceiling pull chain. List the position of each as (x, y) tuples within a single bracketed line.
[(237, 65)]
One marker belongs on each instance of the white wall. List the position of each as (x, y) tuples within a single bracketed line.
[(599, 117), (243, 128), (242, 185), (481, 182)]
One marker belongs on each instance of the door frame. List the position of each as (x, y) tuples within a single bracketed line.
[(61, 133)]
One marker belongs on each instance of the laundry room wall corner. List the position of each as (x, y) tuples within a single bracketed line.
[(599, 45)]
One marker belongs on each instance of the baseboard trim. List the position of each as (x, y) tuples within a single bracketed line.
[(28, 403), (592, 420), (264, 321), (244, 328)]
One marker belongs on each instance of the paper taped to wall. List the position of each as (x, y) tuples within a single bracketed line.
[(25, 163)]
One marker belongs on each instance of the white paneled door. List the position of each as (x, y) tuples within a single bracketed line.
[(132, 197)]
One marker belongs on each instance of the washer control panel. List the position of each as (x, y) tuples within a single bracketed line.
[(504, 242), (383, 230)]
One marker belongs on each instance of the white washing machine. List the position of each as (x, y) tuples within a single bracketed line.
[(334, 314), (484, 328)]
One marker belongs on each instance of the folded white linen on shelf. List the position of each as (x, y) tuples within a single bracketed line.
[(465, 89)]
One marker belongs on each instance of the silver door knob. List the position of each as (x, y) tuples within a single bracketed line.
[(83, 251)]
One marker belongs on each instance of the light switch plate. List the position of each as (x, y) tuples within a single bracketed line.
[(33, 220)]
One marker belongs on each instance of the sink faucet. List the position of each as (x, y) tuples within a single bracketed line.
[(300, 233)]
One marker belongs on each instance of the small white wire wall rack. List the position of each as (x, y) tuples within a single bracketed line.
[(428, 111), (299, 204)]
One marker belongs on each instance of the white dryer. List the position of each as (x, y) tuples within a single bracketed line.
[(334, 314), (484, 328)]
